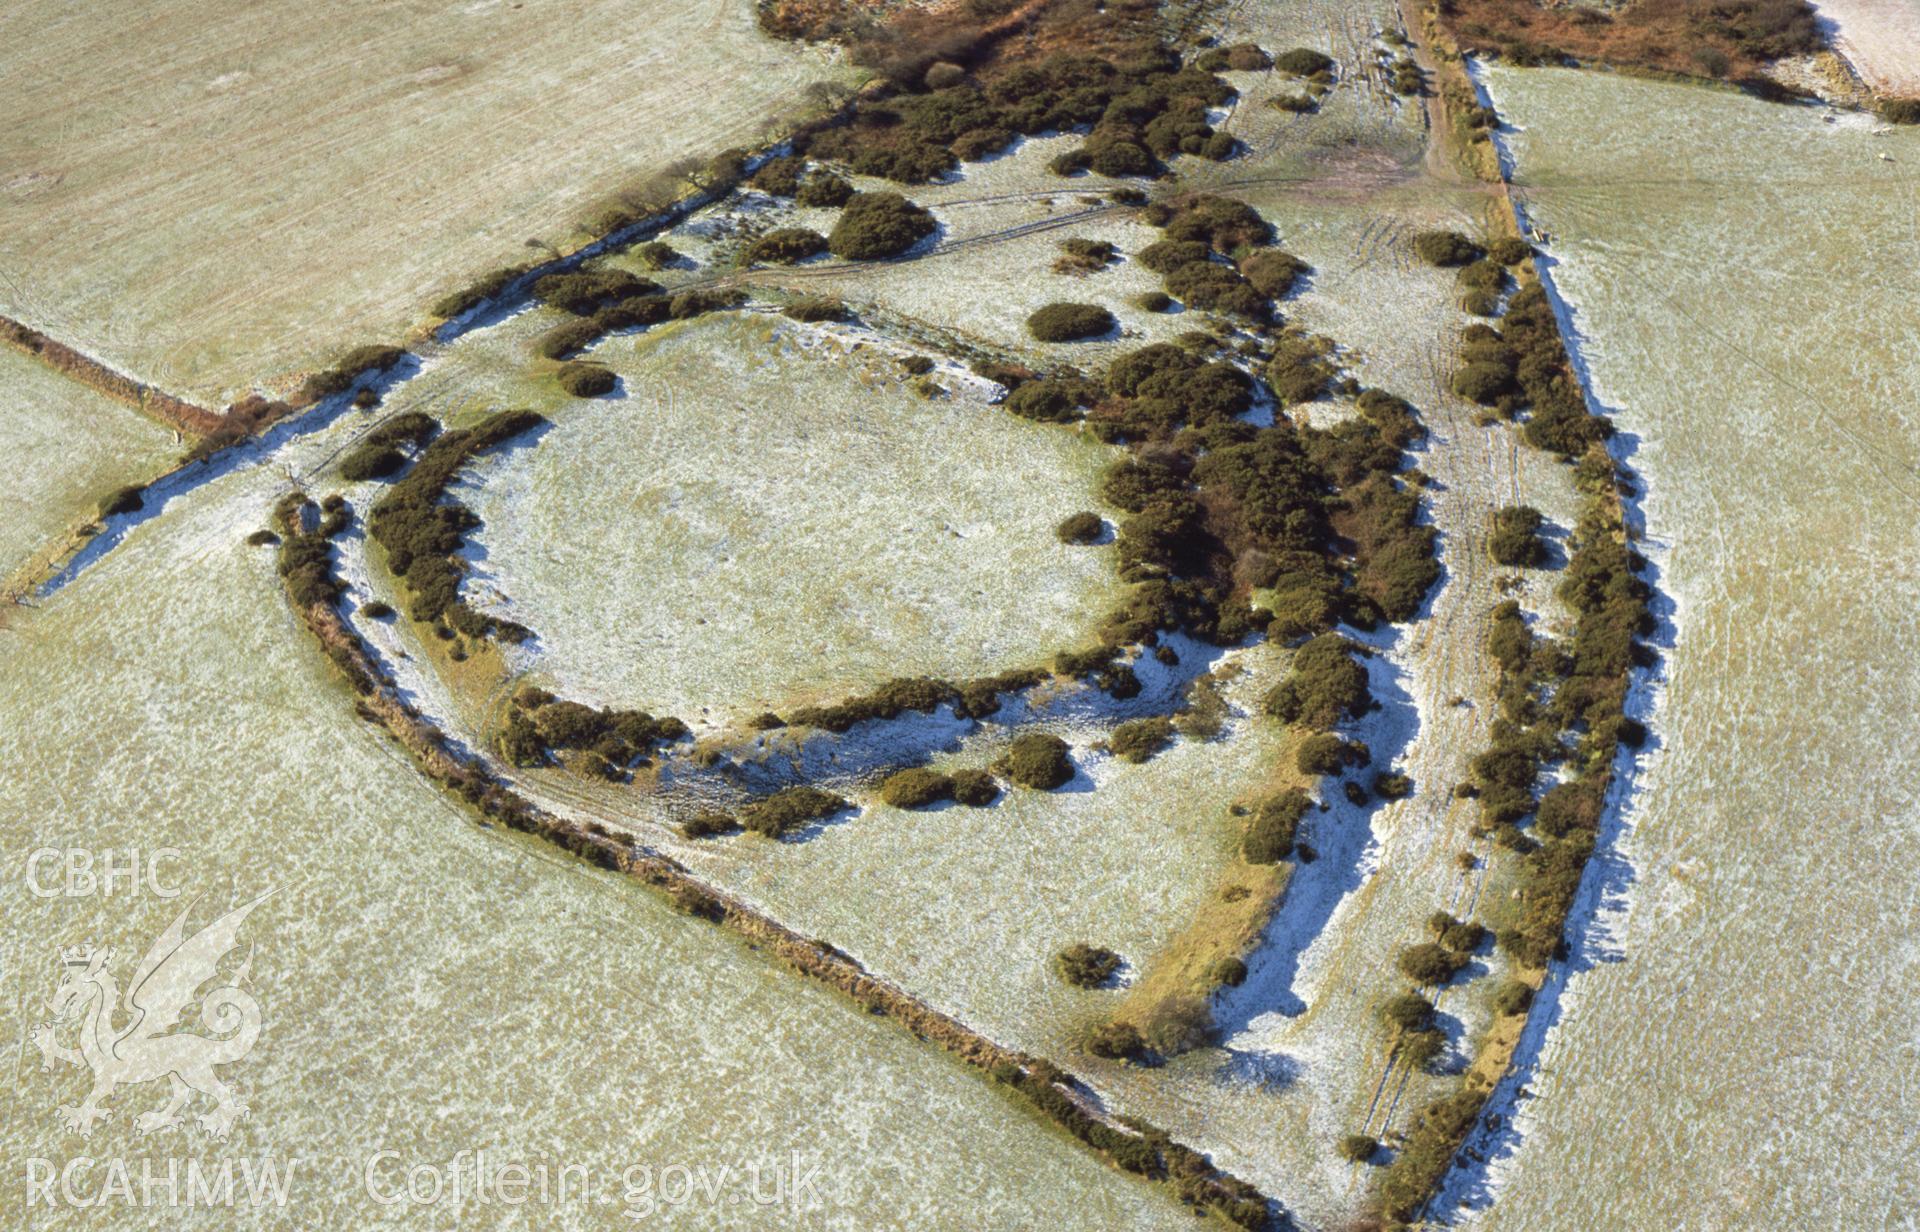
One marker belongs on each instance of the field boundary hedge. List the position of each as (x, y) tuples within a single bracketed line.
[(1053, 1092), (149, 400)]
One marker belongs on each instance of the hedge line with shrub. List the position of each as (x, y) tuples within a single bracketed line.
[(611, 742), (378, 454), (795, 808), (1558, 703), (422, 529), (571, 337), (1523, 366), (970, 699), (305, 562), (1139, 108), (350, 368)]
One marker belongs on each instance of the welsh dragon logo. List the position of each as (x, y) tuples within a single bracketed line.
[(147, 1047)]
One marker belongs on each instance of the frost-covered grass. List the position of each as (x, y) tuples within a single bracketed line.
[(766, 513), (967, 906), (1736, 1034), (1002, 221), (1360, 122), (67, 447), (1304, 1055), (206, 198), (1002, 218), (428, 986)]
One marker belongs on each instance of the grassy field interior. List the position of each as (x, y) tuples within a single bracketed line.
[(67, 449)]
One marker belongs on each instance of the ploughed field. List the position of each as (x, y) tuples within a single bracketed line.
[(215, 199)]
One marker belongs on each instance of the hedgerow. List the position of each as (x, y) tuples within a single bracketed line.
[(584, 292), (540, 725), (422, 529), (1559, 703), (128, 499), (349, 368), (477, 292), (305, 561), (570, 337), (1524, 366)]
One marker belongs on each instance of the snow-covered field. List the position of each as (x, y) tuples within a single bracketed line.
[(766, 514), (428, 987), (1737, 1035), (1120, 856), (67, 447), (207, 197)]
